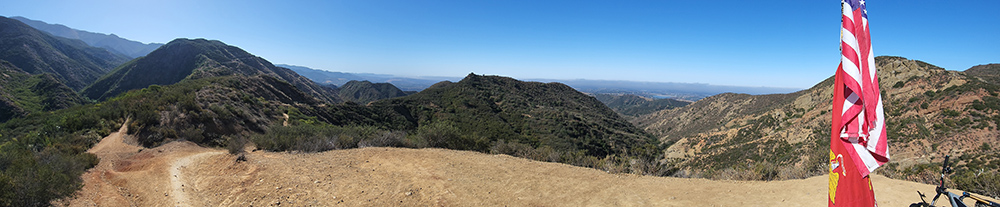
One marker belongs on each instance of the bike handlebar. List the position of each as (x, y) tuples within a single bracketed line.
[(944, 168)]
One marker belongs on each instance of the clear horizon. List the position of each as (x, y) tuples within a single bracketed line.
[(785, 44)]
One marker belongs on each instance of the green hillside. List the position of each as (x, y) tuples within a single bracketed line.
[(365, 91), (629, 105), (72, 62), (22, 93), (930, 113), (491, 108)]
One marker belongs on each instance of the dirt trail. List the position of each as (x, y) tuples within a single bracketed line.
[(130, 175), (179, 185), (98, 181), (414, 177)]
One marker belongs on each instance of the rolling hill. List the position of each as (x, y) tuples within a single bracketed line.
[(322, 76), (365, 91), (930, 112), (630, 105), (504, 115), (341, 78)]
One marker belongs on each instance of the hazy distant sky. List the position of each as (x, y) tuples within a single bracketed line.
[(746, 43)]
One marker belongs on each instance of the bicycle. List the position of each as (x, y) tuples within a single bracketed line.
[(954, 199)]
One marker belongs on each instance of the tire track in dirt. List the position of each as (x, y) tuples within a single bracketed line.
[(180, 186)]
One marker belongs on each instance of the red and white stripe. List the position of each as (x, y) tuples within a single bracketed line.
[(863, 120)]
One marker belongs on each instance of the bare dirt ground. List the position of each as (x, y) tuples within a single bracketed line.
[(184, 174)]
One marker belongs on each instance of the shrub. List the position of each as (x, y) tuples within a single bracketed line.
[(930, 94), (384, 139), (444, 134), (30, 178), (237, 144), (950, 113), (985, 183), (899, 84)]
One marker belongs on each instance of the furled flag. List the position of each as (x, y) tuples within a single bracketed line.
[(858, 138)]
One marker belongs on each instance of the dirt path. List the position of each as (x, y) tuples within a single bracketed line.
[(179, 184), (184, 174), (130, 175), (98, 187), (437, 177)]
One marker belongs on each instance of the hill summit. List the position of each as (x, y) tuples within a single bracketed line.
[(195, 58), (505, 115)]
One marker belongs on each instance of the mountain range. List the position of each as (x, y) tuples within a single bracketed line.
[(71, 61), (652, 90), (340, 78), (662, 90), (112, 42)]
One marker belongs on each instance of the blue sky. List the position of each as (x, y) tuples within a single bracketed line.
[(743, 43)]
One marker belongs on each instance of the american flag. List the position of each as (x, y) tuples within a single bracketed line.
[(862, 124)]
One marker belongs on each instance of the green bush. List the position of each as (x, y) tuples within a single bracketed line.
[(899, 84), (33, 178), (985, 183), (930, 94), (322, 137), (446, 135), (950, 113)]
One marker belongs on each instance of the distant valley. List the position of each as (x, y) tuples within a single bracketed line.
[(340, 78), (653, 90)]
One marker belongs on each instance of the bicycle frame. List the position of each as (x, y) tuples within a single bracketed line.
[(953, 199)]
